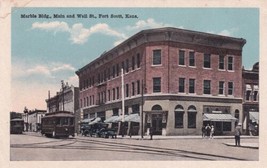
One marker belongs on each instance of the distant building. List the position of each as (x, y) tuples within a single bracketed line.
[(251, 96), (33, 119), (70, 97), (14, 115), (189, 79)]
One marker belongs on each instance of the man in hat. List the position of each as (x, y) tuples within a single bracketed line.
[(237, 134)]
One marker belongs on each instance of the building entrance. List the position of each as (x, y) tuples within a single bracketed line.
[(157, 124)]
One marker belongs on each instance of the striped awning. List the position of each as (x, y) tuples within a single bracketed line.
[(218, 117), (96, 120), (133, 118), (254, 116), (111, 119), (87, 120), (120, 118)]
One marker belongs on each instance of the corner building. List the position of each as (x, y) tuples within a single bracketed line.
[(189, 79)]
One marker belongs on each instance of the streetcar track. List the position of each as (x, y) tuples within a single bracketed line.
[(123, 147)]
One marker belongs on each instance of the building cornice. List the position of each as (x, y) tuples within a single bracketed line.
[(167, 34)]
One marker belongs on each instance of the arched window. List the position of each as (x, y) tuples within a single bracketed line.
[(156, 107), (192, 116), (179, 116), (237, 114)]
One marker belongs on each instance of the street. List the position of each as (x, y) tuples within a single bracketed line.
[(34, 147)]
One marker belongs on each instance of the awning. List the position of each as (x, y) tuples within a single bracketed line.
[(120, 118), (96, 120), (218, 117), (254, 116), (87, 120), (133, 118), (111, 119)]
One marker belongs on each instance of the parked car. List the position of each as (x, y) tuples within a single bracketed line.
[(107, 132)]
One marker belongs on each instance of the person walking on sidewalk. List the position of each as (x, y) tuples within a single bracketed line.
[(211, 132), (208, 128), (237, 134), (151, 132), (203, 131)]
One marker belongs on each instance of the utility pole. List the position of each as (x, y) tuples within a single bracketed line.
[(62, 85), (142, 108)]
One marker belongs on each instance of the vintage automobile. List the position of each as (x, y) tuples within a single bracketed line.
[(98, 130), (107, 132)]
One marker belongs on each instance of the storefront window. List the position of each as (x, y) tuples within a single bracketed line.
[(227, 126)]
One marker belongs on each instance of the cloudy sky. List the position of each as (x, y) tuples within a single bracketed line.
[(48, 50)]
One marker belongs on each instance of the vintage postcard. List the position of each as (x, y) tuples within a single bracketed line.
[(108, 84)]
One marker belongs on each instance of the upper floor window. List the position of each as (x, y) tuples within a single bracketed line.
[(118, 70), (181, 85), (118, 93), (191, 58), (138, 61), (191, 85), (127, 90), (113, 71), (221, 87), (138, 87), (207, 61), (156, 85), (230, 88), (206, 87), (156, 57), (230, 63), (133, 62), (133, 89), (181, 57), (127, 66), (122, 65), (221, 62)]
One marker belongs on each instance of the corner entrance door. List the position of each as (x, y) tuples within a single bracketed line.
[(157, 123)]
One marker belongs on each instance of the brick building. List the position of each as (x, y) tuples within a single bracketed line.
[(188, 77), (251, 97), (70, 97)]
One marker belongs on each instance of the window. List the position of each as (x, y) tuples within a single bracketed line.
[(230, 88), (237, 114), (179, 116), (135, 108), (206, 60), (181, 57), (248, 93), (230, 63), (127, 66), (133, 62), (81, 103), (114, 71), (122, 66), (191, 85), (192, 113), (227, 126), (115, 111), (206, 87), (192, 120), (221, 87), (113, 93), (181, 85), (156, 57), (133, 89), (255, 96), (118, 93), (156, 85), (138, 87), (138, 60), (221, 62), (127, 90), (191, 58), (118, 70), (90, 100), (109, 95), (87, 101)]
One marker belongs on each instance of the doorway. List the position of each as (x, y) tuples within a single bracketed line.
[(157, 124)]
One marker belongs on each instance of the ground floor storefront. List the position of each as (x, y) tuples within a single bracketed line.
[(170, 115)]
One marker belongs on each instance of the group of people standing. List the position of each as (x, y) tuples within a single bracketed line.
[(208, 131)]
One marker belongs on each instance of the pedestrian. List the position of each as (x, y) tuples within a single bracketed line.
[(237, 134), (203, 131), (208, 128), (211, 132), (151, 131)]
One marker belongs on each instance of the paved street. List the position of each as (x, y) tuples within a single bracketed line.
[(34, 147)]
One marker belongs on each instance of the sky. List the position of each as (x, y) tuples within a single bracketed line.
[(46, 50)]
